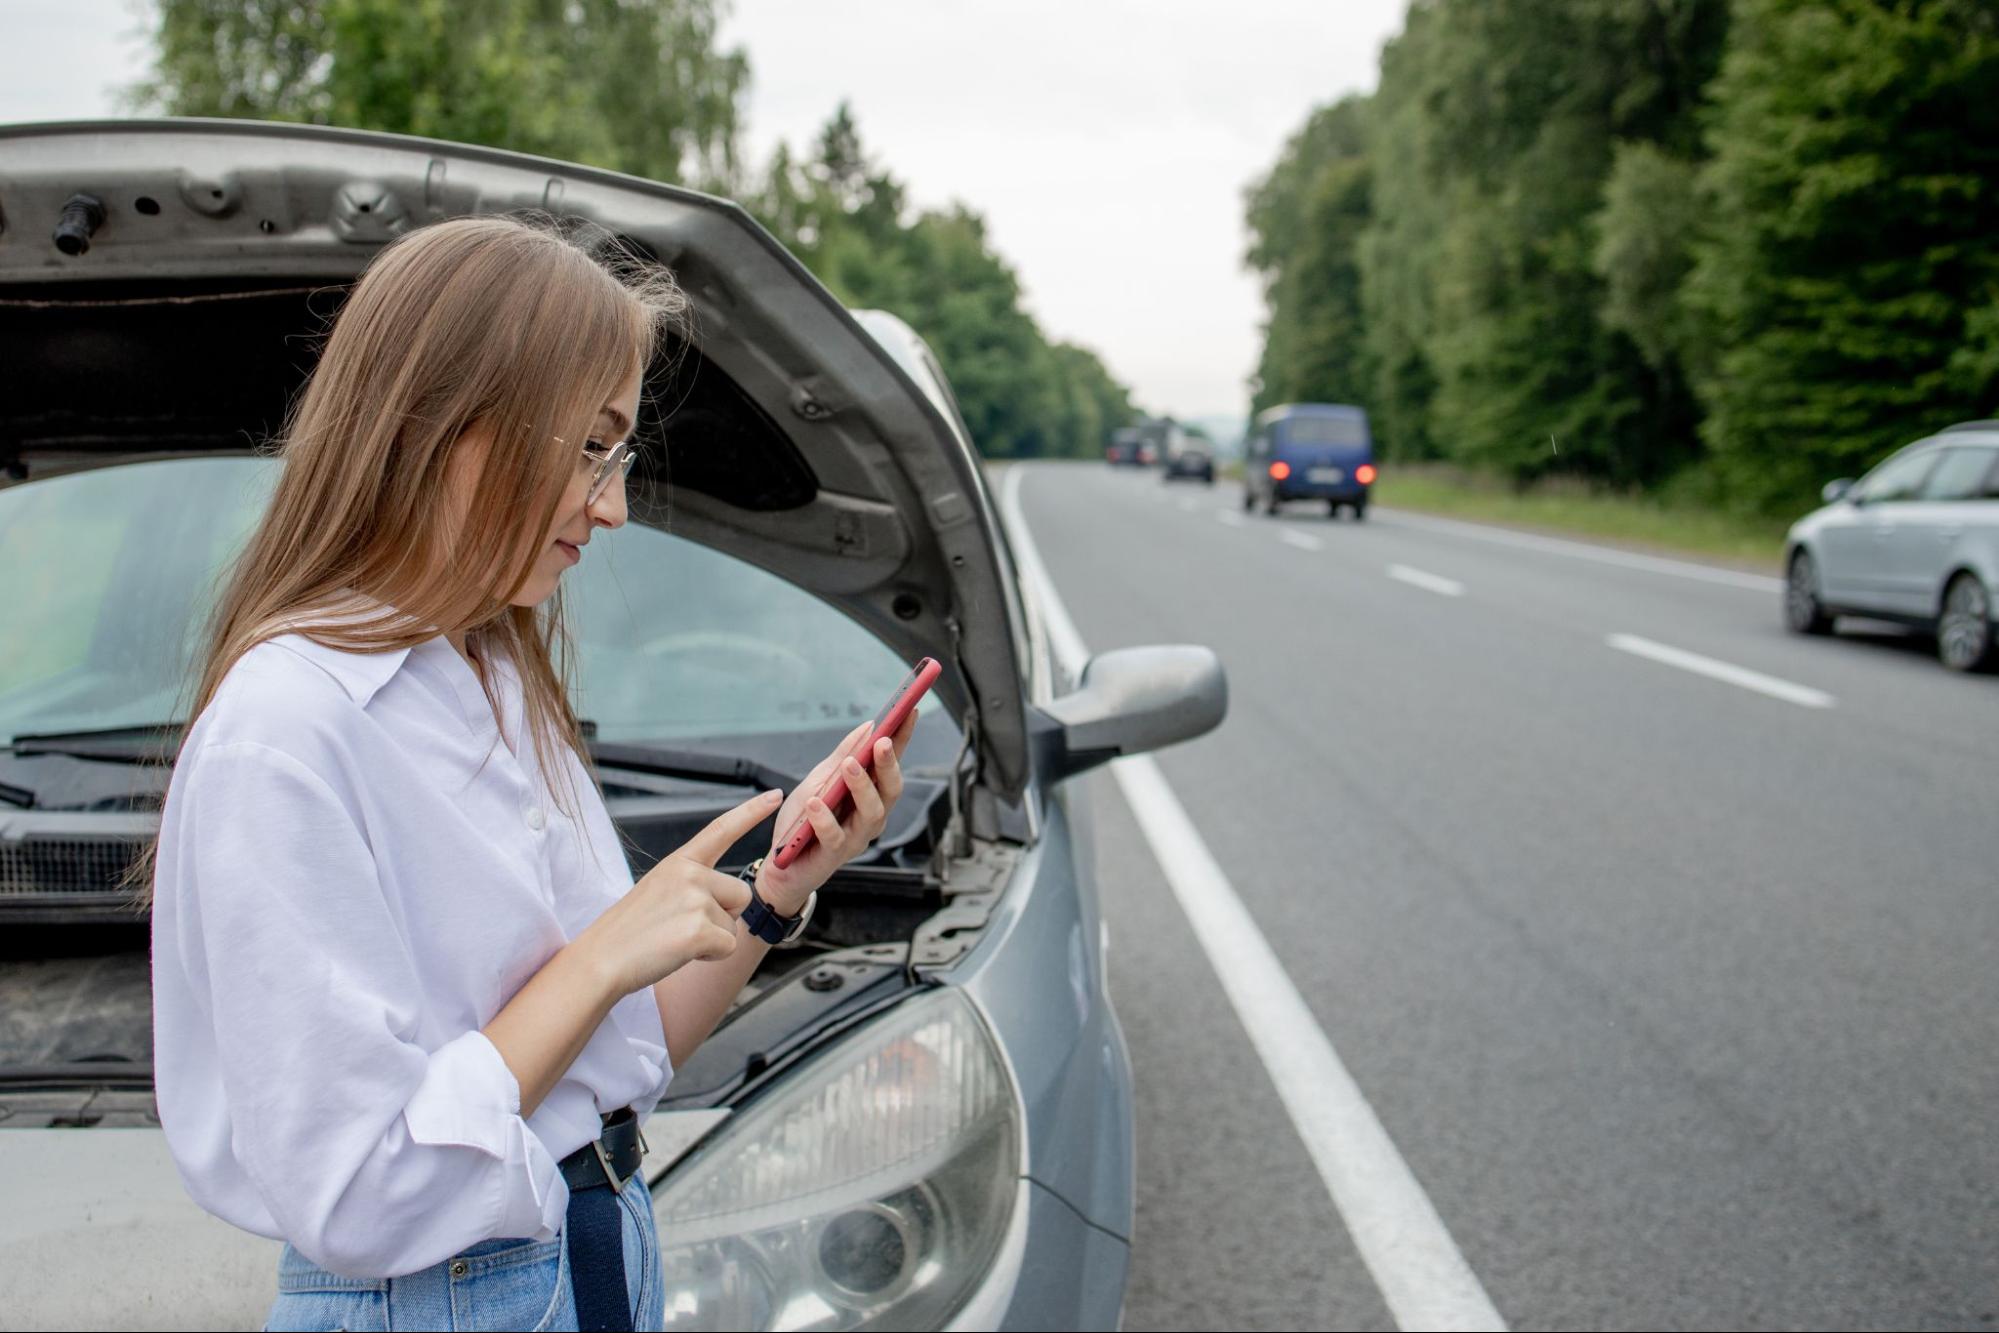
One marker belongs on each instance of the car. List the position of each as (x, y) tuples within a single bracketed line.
[(1309, 451), (936, 1079), (1129, 447), (1915, 541), (1191, 461)]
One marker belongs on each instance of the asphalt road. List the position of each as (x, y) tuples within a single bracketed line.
[(1680, 999)]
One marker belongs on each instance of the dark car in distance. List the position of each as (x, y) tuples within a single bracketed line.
[(1130, 448), (1192, 462)]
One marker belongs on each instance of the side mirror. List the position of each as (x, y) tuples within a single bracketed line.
[(1132, 700), (1836, 490)]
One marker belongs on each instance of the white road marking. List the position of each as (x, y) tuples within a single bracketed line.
[(1229, 516), (1423, 1277), (1802, 695), (1603, 555), (1436, 583), (1304, 541)]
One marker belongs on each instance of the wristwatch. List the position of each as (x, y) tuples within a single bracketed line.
[(780, 932)]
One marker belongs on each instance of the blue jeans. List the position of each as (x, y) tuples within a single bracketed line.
[(497, 1284)]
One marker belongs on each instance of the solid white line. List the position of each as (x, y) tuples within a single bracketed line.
[(1423, 1277), (1230, 517), (1064, 641), (1802, 695), (1436, 583), (1603, 555), (1304, 541)]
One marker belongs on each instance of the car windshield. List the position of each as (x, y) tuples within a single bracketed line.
[(111, 573), (1324, 430)]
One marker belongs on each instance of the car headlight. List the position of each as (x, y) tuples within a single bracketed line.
[(871, 1190)]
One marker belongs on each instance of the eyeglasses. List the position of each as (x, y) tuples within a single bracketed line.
[(614, 464)]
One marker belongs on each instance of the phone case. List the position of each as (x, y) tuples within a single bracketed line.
[(887, 722)]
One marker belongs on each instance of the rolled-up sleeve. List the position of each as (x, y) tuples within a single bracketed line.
[(378, 1149)]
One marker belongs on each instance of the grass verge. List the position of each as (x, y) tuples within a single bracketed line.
[(1575, 510)]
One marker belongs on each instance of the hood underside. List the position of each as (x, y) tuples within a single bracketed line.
[(783, 434)]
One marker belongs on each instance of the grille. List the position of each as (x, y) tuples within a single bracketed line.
[(63, 868)]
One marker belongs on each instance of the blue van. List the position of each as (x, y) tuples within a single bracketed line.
[(1309, 451)]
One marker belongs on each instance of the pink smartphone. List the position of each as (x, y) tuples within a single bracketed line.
[(887, 722)]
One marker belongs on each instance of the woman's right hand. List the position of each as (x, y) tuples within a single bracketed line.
[(682, 909)]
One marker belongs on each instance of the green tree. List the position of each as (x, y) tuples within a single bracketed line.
[(1529, 101), (1644, 251), (633, 85), (848, 219), (1849, 274), (1433, 251), (1306, 219)]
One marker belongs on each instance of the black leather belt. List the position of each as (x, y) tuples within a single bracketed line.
[(610, 1161), (597, 1174)]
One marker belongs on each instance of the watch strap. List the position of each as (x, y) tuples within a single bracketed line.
[(762, 920)]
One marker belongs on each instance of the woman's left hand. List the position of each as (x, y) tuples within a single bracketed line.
[(836, 841)]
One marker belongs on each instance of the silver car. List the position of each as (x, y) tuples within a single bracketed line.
[(933, 1092), (1916, 541)]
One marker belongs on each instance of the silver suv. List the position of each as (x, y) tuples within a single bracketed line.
[(1916, 541)]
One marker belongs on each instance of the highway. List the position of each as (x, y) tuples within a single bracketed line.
[(1663, 945)]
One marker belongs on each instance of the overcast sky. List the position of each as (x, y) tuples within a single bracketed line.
[(1107, 142)]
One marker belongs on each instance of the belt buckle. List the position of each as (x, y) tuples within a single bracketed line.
[(604, 1160)]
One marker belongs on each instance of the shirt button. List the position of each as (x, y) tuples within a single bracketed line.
[(534, 818)]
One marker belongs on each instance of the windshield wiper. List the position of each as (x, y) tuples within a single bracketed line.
[(107, 1071), (20, 796), (665, 761), (138, 744)]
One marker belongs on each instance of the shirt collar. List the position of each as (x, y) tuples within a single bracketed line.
[(361, 674)]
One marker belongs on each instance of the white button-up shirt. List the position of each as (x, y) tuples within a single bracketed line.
[(357, 870)]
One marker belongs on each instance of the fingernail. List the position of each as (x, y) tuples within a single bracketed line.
[(773, 794)]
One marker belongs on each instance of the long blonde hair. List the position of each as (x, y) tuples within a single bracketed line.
[(508, 323)]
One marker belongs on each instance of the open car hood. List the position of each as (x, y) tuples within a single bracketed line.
[(785, 433)]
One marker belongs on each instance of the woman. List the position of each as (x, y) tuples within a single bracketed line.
[(410, 1006)]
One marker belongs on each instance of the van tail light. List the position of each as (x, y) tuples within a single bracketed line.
[(1279, 470), (1364, 474)]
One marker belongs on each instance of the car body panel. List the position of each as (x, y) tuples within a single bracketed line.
[(1037, 971), (1072, 1275), (100, 1219)]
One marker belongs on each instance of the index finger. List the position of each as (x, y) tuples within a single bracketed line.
[(732, 894), (729, 828)]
